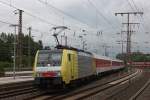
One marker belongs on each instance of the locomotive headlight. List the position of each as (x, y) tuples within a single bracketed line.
[(38, 74), (58, 73)]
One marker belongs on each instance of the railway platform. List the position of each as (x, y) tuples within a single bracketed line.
[(19, 73), (9, 80)]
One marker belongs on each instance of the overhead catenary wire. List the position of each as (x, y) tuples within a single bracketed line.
[(113, 26), (66, 14), (70, 16), (130, 5), (28, 13), (34, 30), (4, 22), (9, 23), (49, 24), (40, 19), (25, 11), (63, 12), (135, 8), (106, 20)]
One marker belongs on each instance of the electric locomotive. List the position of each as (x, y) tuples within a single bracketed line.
[(66, 65), (63, 65)]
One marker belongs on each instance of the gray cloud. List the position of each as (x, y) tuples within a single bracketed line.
[(83, 11)]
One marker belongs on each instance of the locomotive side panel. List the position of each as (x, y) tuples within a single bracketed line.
[(69, 69), (85, 63)]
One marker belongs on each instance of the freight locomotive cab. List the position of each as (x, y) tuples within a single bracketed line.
[(48, 66)]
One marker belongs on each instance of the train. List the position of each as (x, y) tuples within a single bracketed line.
[(66, 65)]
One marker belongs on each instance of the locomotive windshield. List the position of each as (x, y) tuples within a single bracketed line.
[(48, 58)]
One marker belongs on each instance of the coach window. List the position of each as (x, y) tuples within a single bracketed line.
[(69, 57)]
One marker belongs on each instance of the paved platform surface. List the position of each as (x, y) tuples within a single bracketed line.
[(6, 80), (20, 72)]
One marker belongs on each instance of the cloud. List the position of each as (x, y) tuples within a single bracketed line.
[(79, 15)]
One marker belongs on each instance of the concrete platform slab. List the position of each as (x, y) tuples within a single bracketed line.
[(7, 80)]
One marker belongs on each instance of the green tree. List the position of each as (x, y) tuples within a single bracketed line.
[(7, 47)]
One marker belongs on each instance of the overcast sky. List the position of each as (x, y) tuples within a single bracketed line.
[(78, 15)]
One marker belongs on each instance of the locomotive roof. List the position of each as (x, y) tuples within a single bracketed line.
[(46, 51), (101, 57), (72, 48)]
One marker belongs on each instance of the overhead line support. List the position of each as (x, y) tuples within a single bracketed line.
[(128, 47)]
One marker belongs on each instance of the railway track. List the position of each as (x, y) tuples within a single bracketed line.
[(11, 86), (17, 92), (98, 88), (27, 90), (128, 90), (88, 91), (134, 97), (20, 90)]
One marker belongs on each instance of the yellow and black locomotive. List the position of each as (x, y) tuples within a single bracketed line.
[(63, 66)]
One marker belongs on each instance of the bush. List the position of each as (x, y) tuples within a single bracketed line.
[(1, 71), (4, 65)]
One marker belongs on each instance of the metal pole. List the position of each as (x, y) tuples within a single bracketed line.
[(20, 39), (128, 34), (83, 45), (66, 40), (122, 46), (122, 41), (14, 59), (105, 51), (29, 47), (14, 68), (61, 40)]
